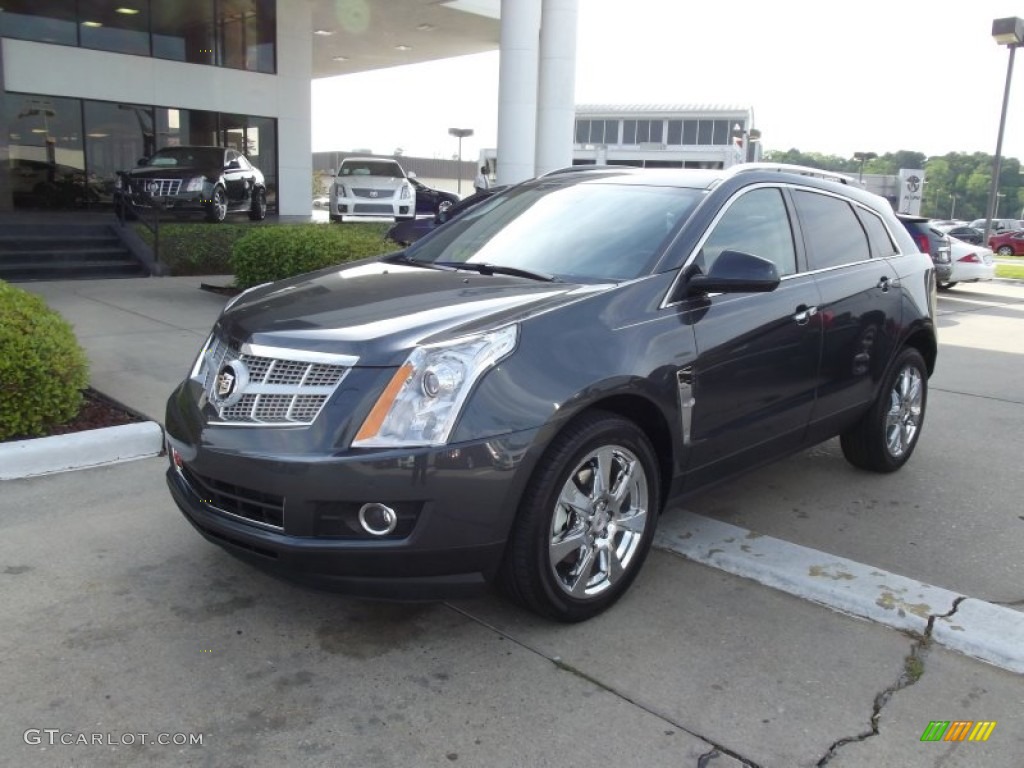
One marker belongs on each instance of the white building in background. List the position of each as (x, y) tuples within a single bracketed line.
[(665, 135)]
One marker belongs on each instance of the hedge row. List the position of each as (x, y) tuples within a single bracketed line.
[(266, 254), (43, 370)]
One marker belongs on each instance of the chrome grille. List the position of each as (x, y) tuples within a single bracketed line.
[(284, 386), (384, 194), (159, 187)]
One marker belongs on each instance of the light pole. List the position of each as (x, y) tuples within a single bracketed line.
[(460, 133), (1008, 32), (952, 207), (863, 157)]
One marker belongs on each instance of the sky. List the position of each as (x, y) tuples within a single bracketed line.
[(828, 76)]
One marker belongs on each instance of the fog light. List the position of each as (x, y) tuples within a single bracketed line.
[(377, 519)]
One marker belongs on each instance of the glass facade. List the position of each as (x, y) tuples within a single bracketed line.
[(65, 153), (239, 34)]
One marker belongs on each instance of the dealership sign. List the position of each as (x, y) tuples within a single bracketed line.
[(911, 190)]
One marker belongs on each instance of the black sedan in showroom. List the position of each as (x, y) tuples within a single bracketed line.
[(208, 181), (514, 399)]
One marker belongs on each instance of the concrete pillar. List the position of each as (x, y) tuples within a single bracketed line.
[(556, 92), (294, 107), (6, 203), (517, 90)]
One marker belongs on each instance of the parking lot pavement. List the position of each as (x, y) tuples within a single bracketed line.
[(120, 620)]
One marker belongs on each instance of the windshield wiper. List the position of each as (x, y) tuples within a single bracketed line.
[(497, 269)]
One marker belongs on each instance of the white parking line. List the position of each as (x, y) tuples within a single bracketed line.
[(976, 628)]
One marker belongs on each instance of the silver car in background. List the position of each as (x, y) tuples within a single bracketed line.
[(370, 186)]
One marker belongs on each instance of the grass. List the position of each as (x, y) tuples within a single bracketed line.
[(1010, 270)]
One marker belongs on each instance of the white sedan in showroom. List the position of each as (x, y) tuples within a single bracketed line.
[(971, 263)]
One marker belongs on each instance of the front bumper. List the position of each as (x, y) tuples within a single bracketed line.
[(381, 206), (297, 516)]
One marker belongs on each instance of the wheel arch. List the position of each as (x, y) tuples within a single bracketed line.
[(923, 340)]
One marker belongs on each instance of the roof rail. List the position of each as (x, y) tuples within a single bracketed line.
[(800, 170)]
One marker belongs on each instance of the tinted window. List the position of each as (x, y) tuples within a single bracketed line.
[(755, 223), (580, 232), (832, 233), (48, 21), (878, 236), (370, 168)]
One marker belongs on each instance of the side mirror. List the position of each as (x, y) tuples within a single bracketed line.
[(735, 272)]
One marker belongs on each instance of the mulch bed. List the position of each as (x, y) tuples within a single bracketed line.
[(97, 411)]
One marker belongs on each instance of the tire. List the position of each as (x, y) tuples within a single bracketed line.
[(217, 208), (1005, 250), (574, 550), (885, 436), (443, 206), (336, 218), (947, 285), (258, 212)]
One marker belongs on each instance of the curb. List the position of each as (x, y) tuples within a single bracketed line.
[(973, 627), (80, 450)]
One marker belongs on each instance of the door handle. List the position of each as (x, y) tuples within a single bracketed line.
[(885, 283), (804, 314)]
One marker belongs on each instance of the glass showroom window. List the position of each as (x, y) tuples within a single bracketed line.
[(116, 137), (183, 30), (122, 29), (45, 21), (46, 165), (245, 34)]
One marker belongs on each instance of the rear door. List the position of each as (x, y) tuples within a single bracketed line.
[(758, 353), (849, 251)]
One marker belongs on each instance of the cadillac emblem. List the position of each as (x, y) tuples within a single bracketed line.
[(373, 193), (230, 384), (154, 188)]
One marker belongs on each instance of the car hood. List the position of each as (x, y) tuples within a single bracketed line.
[(372, 182), (378, 310), (174, 172)]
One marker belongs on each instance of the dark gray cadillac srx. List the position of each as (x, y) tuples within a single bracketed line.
[(514, 398)]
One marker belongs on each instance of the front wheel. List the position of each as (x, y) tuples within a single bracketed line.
[(443, 206), (217, 208), (885, 436), (586, 520), (1005, 250)]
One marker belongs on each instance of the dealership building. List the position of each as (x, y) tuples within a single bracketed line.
[(90, 86)]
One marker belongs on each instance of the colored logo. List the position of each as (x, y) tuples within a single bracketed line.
[(958, 730)]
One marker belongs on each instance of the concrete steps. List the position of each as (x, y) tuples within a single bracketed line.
[(64, 251)]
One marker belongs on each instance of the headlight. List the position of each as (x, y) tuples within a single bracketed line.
[(406, 192), (420, 404), (340, 190)]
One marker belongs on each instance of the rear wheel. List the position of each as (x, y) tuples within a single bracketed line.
[(217, 208), (586, 520), (1005, 250), (885, 436), (947, 285)]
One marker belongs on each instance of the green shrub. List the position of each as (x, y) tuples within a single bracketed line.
[(43, 370), (273, 253), (196, 247)]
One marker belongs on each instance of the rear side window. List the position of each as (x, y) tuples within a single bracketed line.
[(832, 232), (881, 243), (755, 223)]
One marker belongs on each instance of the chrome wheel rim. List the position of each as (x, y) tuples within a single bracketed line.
[(903, 419), (444, 205), (598, 522), (220, 204)]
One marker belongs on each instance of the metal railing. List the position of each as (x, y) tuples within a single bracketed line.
[(147, 214)]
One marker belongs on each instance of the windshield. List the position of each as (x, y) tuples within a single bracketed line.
[(586, 232), (371, 168), (191, 157)]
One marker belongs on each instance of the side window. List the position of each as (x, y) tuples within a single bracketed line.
[(832, 232), (756, 223), (878, 236)]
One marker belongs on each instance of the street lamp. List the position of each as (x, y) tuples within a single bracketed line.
[(1008, 32), (863, 157), (952, 207), (460, 133)]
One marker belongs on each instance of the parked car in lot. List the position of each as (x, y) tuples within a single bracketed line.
[(1000, 225), (963, 233), (408, 232), (321, 201), (931, 241), (430, 201), (212, 181), (971, 263), (371, 186), (1007, 243), (598, 342)]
